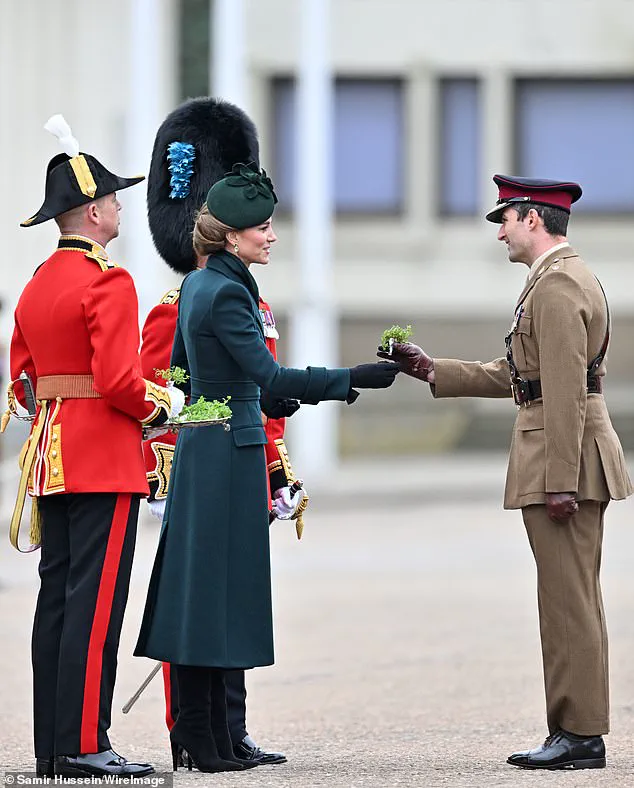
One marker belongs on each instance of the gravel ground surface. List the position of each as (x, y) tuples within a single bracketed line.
[(406, 638)]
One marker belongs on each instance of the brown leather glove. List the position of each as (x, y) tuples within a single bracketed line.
[(412, 360), (561, 506)]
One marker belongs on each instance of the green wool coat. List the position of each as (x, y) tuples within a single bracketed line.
[(209, 600)]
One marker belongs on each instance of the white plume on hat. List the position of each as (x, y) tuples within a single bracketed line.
[(58, 126)]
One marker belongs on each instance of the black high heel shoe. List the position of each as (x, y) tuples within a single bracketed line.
[(192, 729), (199, 751), (44, 767), (180, 757)]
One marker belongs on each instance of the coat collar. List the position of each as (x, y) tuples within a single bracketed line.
[(553, 257), (231, 266)]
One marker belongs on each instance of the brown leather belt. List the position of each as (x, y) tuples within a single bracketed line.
[(526, 391), (66, 387)]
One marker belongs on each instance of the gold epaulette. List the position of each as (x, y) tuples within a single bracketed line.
[(171, 297), (103, 262)]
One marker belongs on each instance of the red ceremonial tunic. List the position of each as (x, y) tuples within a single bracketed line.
[(156, 351), (79, 316)]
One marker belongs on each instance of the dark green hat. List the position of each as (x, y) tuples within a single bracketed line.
[(243, 198)]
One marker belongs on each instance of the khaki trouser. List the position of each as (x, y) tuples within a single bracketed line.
[(571, 617)]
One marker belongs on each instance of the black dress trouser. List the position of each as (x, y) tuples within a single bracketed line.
[(236, 702), (86, 560)]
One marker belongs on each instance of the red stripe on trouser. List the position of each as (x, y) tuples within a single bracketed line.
[(101, 621), (167, 684)]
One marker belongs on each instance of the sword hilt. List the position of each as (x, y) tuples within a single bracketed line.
[(29, 394)]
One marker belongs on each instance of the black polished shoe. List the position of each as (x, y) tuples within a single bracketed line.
[(45, 767), (99, 764), (563, 750), (248, 750)]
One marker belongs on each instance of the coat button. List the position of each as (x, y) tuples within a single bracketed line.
[(54, 453), (54, 439), (55, 471)]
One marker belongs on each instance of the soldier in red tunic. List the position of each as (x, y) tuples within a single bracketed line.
[(76, 338), (205, 137)]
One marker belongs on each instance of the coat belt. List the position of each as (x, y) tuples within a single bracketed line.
[(238, 390), (66, 387)]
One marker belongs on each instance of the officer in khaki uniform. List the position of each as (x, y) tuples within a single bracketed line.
[(566, 460)]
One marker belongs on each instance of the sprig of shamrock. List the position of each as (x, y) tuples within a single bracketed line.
[(205, 410), (175, 374), (396, 333)]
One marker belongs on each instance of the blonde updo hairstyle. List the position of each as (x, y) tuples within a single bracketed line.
[(210, 234)]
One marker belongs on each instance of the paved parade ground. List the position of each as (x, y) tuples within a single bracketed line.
[(406, 638)]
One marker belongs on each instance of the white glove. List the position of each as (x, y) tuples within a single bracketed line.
[(177, 398), (285, 505), (157, 508)]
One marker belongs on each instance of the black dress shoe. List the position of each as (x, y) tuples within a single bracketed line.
[(44, 767), (99, 764), (563, 750), (248, 750)]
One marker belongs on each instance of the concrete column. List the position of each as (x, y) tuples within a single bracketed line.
[(227, 51), (313, 316), (144, 116)]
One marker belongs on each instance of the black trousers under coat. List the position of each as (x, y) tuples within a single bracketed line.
[(86, 559)]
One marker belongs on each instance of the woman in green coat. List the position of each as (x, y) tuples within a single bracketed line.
[(209, 600)]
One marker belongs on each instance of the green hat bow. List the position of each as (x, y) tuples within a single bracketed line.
[(243, 198)]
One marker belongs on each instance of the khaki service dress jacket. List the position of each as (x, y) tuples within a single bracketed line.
[(564, 441)]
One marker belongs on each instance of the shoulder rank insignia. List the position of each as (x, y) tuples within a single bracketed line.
[(103, 262), (171, 297)]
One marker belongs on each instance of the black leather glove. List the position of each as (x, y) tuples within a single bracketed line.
[(379, 375), (277, 407)]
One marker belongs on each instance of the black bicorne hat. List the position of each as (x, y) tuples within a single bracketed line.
[(72, 181), (195, 146)]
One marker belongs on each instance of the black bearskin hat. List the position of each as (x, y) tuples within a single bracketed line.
[(195, 146)]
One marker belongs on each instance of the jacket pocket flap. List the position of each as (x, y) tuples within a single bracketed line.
[(249, 436), (530, 418), (524, 325)]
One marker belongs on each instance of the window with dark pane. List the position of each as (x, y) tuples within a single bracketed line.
[(194, 48), (459, 148), (579, 130), (368, 144)]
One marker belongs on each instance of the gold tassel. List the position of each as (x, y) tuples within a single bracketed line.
[(6, 416), (35, 532), (299, 516)]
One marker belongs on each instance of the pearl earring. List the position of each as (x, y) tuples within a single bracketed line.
[(236, 248)]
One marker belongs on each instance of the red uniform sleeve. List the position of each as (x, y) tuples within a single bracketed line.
[(157, 336), (21, 360), (111, 309)]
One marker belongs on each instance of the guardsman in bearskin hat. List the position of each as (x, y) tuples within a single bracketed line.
[(75, 365), (195, 146), (566, 461)]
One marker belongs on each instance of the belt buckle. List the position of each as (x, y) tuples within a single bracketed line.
[(518, 396)]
